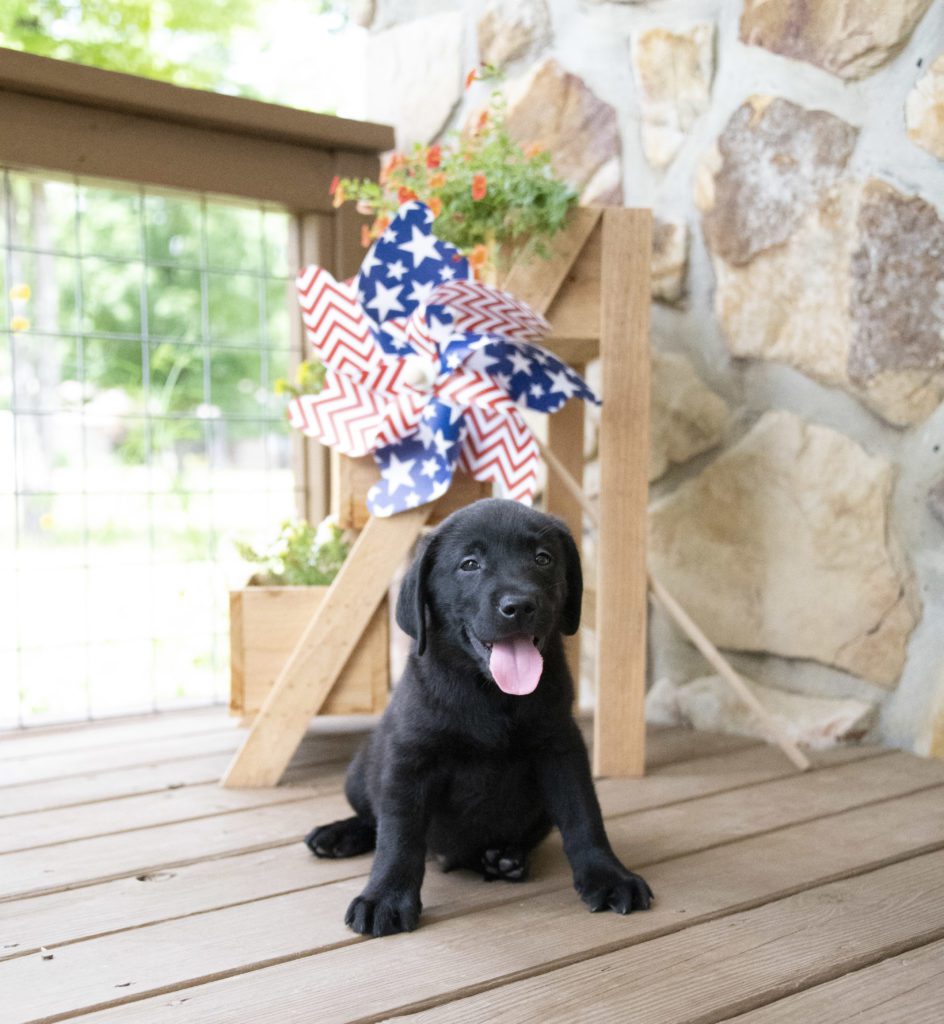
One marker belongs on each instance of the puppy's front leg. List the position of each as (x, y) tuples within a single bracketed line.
[(599, 877), (391, 901)]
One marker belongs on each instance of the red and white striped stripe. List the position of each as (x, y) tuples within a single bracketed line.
[(344, 414), (499, 448), (481, 309)]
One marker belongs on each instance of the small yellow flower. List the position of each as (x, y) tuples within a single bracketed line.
[(19, 323), (20, 293), (47, 521)]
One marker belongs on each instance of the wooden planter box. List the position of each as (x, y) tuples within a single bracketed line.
[(265, 625)]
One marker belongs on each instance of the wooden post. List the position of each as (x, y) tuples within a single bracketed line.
[(324, 649), (619, 724), (565, 440)]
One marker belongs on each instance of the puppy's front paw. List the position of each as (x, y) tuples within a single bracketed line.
[(384, 914), (611, 887)]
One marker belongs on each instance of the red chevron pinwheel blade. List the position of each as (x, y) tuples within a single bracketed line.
[(400, 418), (499, 448), (336, 325), (344, 414), (481, 309), (469, 387)]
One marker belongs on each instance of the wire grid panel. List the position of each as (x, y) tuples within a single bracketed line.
[(139, 432)]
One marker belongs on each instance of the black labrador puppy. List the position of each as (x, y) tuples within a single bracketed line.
[(478, 755)]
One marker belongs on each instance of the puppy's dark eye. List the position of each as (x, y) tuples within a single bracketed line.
[(468, 565), (543, 558)]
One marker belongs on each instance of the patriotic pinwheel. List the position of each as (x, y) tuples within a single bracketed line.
[(427, 369)]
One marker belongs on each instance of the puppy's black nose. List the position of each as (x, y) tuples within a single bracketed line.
[(516, 607)]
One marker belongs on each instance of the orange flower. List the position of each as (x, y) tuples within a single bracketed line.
[(338, 197), (335, 181), (435, 204), (534, 149), (437, 180), (482, 121), (380, 226), (365, 235), (396, 160), (471, 77), (405, 195), (479, 187), (478, 257), (433, 157)]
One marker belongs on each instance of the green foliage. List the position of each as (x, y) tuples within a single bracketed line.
[(309, 380), (131, 35), (301, 556), (489, 194)]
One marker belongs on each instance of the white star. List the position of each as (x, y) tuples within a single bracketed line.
[(502, 380), (429, 413), (536, 391), (421, 247), (425, 433), (453, 361), (421, 292), (396, 270), (561, 382), (520, 363), (446, 273), (389, 235), (386, 300), (455, 413), (430, 216), (538, 356), (397, 474), (382, 511), (370, 261), (442, 445), (412, 499), (430, 467)]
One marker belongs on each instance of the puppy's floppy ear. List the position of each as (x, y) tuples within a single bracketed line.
[(570, 615), (412, 599)]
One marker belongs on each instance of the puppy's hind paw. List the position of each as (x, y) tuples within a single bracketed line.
[(347, 838), (507, 865), (385, 914)]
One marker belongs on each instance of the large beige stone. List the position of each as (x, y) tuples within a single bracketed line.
[(710, 704), (687, 418), (770, 164), (782, 545), (415, 74), (509, 29), (852, 299), (850, 38), (673, 72), (557, 111), (924, 110), (669, 259)]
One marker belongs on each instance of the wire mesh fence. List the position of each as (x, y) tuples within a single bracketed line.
[(139, 431)]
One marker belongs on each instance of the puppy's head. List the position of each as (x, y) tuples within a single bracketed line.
[(494, 581)]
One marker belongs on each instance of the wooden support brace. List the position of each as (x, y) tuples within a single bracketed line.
[(323, 650)]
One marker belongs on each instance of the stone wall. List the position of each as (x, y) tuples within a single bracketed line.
[(793, 156)]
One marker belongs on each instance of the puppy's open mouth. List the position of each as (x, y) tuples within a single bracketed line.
[(514, 661)]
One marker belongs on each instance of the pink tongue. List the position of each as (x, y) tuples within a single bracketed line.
[(516, 665)]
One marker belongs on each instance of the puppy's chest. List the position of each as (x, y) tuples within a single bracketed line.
[(484, 781)]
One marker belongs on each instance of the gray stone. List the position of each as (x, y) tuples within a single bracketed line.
[(846, 37), (782, 545), (687, 418), (510, 29), (772, 162), (710, 704), (669, 259), (936, 500)]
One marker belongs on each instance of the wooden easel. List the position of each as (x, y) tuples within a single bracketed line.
[(594, 290)]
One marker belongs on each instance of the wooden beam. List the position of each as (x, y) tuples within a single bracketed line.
[(324, 649), (619, 724), (76, 84)]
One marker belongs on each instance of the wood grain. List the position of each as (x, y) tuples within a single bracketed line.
[(619, 735)]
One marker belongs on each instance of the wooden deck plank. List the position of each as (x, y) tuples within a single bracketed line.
[(43, 741), (740, 961), (905, 989), (60, 917), (364, 979), (118, 783)]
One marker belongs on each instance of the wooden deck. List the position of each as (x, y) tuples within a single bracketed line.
[(134, 889)]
